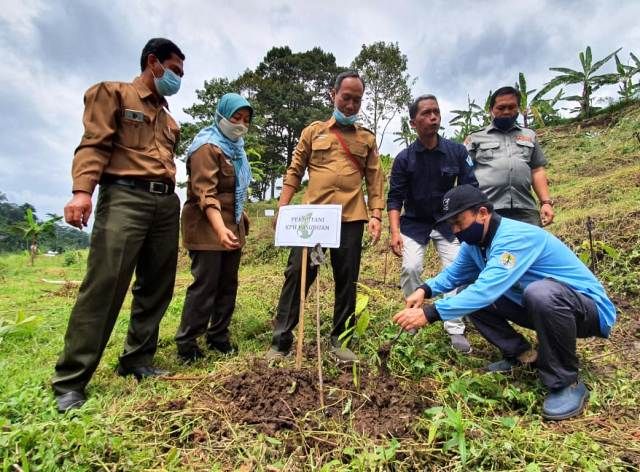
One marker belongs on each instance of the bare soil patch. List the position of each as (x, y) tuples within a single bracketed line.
[(283, 398)]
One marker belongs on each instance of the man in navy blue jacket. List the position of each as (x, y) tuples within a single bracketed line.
[(421, 174), (516, 272)]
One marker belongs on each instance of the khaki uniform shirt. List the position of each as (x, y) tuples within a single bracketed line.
[(503, 162), (211, 183), (333, 177), (127, 132)]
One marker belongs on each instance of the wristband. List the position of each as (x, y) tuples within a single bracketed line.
[(376, 218)]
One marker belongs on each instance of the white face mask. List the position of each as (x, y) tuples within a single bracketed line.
[(233, 131)]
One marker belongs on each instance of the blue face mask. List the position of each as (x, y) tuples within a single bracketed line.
[(505, 123), (168, 84), (471, 235), (344, 119)]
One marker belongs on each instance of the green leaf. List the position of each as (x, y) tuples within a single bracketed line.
[(603, 61), (508, 421), (273, 441), (362, 300), (363, 323), (347, 407)]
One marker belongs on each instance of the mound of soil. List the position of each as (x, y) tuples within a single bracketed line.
[(274, 399)]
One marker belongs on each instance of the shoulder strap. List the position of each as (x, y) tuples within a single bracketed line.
[(353, 160)]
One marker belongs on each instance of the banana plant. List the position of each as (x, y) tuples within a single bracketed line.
[(628, 89), (468, 121), (543, 111), (31, 230), (525, 107), (587, 78)]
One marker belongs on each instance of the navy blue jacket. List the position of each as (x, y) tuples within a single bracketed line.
[(420, 178)]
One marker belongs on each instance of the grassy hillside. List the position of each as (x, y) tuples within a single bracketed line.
[(457, 417)]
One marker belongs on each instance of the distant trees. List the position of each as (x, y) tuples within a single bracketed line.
[(62, 238), (383, 68), (31, 230), (288, 91)]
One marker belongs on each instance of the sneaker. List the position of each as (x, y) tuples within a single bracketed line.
[(224, 347), (527, 358), (274, 354), (566, 402), (460, 343), (344, 354)]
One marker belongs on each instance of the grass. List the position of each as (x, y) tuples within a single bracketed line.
[(474, 421)]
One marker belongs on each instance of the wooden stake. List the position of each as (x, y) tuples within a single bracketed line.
[(303, 286), (386, 258), (320, 382)]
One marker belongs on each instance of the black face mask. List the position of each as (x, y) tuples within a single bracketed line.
[(471, 235), (505, 123)]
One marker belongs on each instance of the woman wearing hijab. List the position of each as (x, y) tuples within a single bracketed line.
[(214, 227)]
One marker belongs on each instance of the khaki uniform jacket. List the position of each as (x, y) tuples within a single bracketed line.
[(503, 162), (333, 177), (128, 132), (211, 183)]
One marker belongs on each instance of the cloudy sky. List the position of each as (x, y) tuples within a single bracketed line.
[(53, 50)]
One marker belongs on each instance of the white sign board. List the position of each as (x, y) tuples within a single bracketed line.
[(269, 212), (308, 225)]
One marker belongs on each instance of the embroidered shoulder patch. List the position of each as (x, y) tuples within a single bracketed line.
[(508, 260)]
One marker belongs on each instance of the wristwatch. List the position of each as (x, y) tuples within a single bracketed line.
[(549, 202)]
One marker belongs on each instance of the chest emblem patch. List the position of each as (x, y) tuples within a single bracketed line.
[(508, 260)]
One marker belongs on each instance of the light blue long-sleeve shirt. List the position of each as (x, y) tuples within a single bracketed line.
[(518, 255)]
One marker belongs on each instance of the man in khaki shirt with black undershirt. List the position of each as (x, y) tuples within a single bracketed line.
[(128, 149), (335, 177)]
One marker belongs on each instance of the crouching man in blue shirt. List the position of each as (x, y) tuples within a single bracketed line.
[(520, 273)]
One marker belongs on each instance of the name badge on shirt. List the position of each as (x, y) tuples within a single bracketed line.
[(134, 115)]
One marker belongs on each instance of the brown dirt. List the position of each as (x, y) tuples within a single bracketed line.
[(274, 399)]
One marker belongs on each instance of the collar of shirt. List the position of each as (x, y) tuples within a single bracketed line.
[(491, 232), (493, 127), (144, 92), (331, 122), (419, 147)]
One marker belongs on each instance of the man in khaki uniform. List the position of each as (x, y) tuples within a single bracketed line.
[(128, 148), (338, 154)]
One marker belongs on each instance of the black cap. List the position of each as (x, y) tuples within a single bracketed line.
[(459, 199)]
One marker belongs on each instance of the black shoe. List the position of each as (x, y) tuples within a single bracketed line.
[(142, 372), (70, 401), (225, 347), (190, 355)]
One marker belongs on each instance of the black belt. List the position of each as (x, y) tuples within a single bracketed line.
[(150, 186)]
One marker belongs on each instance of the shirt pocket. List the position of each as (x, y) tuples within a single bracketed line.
[(359, 153), (487, 151), (227, 179), (448, 175), (320, 149), (525, 150), (135, 134)]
